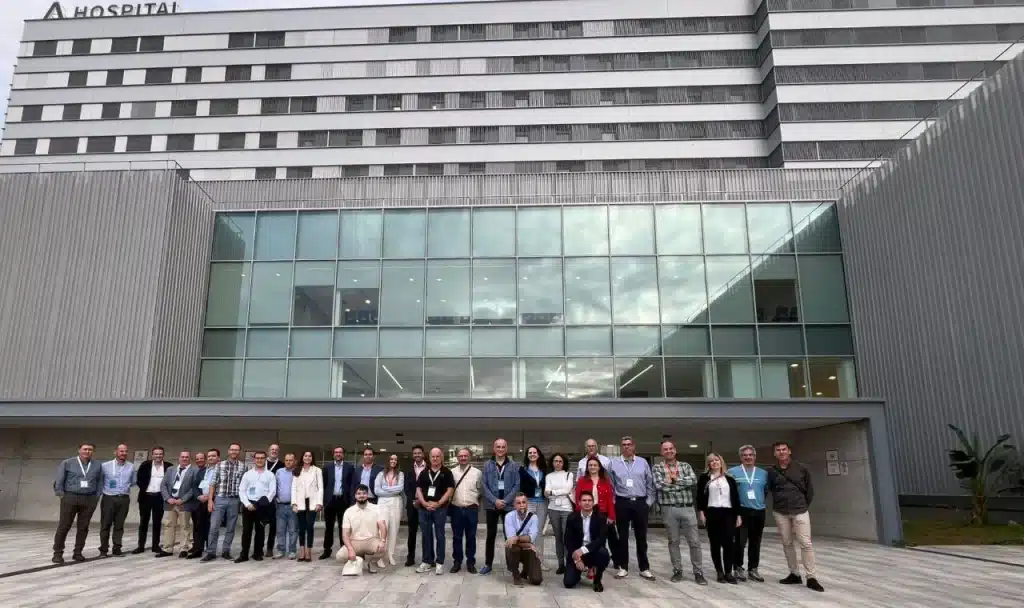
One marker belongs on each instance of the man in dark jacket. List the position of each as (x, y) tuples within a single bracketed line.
[(412, 512), (151, 501), (792, 493), (337, 497), (586, 534)]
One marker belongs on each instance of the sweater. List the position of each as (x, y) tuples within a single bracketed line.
[(560, 489)]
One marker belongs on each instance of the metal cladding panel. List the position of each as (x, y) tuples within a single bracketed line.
[(933, 248), (510, 189)]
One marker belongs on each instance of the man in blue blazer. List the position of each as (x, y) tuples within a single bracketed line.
[(365, 475), (500, 485)]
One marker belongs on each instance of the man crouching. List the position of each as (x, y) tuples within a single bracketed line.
[(521, 530), (364, 532)]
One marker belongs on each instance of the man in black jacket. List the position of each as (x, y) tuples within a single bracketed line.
[(365, 474), (274, 464), (412, 513), (792, 492), (586, 534), (337, 497), (151, 501)]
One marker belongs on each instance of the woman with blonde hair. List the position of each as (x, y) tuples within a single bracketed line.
[(718, 500), (307, 501), (388, 487)]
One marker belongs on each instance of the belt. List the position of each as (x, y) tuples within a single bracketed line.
[(685, 504), (631, 498)]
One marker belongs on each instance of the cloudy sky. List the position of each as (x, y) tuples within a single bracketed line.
[(16, 11)]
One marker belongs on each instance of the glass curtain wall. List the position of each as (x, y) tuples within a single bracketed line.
[(668, 300)]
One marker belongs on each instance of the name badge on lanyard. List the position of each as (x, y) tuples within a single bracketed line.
[(177, 480), (501, 477), (84, 483), (751, 495), (432, 490), (629, 472)]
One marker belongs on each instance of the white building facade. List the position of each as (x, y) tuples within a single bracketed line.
[(487, 87)]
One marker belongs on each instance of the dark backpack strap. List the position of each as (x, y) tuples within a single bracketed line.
[(522, 527)]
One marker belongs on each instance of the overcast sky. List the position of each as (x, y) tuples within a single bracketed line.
[(16, 11)]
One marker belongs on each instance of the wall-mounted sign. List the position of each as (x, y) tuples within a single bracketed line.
[(56, 11), (140, 457), (831, 455), (833, 469)]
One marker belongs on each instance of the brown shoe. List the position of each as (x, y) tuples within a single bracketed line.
[(517, 580)]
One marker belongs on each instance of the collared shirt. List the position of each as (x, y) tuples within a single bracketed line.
[(361, 521), (227, 477), (77, 477), (179, 473), (632, 478), (204, 485), (581, 468), (513, 522), (156, 478), (256, 484), (751, 485), (339, 474), (284, 485), (467, 491), (366, 480), (118, 479), (678, 492), (586, 531)]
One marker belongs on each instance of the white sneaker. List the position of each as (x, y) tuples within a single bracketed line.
[(380, 563), (622, 573), (371, 568), (391, 560), (423, 568), (439, 569), (544, 567), (647, 575), (291, 556)]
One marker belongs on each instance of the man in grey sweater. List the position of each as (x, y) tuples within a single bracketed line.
[(792, 493), (78, 484)]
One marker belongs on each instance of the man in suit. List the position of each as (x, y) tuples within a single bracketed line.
[(178, 491), (149, 479), (337, 496), (205, 463), (365, 475), (412, 512), (586, 533), (274, 463)]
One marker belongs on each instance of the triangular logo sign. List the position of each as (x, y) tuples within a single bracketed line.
[(55, 12)]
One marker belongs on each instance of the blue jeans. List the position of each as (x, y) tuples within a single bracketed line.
[(286, 525), (225, 512), (464, 521), (432, 528)]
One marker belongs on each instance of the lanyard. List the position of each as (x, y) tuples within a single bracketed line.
[(117, 470), (433, 476), (629, 467), (180, 472), (501, 469), (750, 478), (85, 469)]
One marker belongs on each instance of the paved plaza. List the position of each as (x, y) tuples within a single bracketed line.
[(853, 573)]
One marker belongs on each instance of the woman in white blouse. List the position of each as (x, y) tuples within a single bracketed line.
[(718, 500), (389, 487), (560, 490), (307, 501)]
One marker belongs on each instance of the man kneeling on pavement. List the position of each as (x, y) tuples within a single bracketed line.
[(586, 532), (521, 530), (364, 531)]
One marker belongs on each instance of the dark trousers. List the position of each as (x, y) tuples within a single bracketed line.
[(720, 525), (629, 511), (432, 529), (150, 505), (334, 511), (412, 519), (526, 559), (749, 534), (272, 530), (304, 526), (251, 520), (72, 506), (113, 512), (494, 519), (200, 528), (597, 560), (464, 523)]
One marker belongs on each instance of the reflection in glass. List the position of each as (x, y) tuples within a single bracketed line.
[(540, 291), (632, 229), (678, 229), (228, 299), (401, 342), (635, 290), (355, 342), (309, 379), (494, 342), (724, 229), (587, 291), (221, 378), (314, 293), (494, 233), (541, 342), (688, 378), (318, 235), (224, 343), (823, 289), (780, 341), (401, 293), (682, 291), (448, 292), (275, 236), (775, 289), (494, 292), (585, 230), (271, 300), (446, 378), (685, 341), (233, 236), (638, 341), (733, 341), (310, 343), (400, 378), (493, 378), (832, 378), (360, 234), (588, 341), (539, 231), (264, 378), (405, 233), (782, 378), (816, 227), (770, 228), (738, 378), (542, 378), (590, 378), (639, 378), (267, 343), (448, 233), (829, 340), (354, 378), (358, 301), (447, 342), (730, 290)]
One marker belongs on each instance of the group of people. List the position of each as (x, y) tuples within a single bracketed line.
[(590, 510)]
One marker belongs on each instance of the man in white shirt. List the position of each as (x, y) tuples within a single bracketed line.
[(364, 531), (465, 511), (591, 447), (521, 530), (150, 479), (256, 492)]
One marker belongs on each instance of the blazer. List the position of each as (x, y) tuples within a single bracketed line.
[(605, 496), (702, 492), (144, 474), (310, 484), (509, 474), (347, 471), (410, 486), (186, 491), (357, 473), (527, 483), (574, 533)]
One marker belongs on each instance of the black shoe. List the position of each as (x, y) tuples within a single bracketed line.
[(721, 577), (193, 555), (78, 557), (226, 555), (814, 585), (455, 568), (326, 554), (183, 554), (241, 559), (138, 550), (58, 559), (209, 557), (471, 569), (598, 587), (117, 553), (560, 570), (753, 575), (699, 579), (410, 561), (677, 576), (257, 558), (792, 579), (163, 554), (103, 554), (730, 579), (157, 549)]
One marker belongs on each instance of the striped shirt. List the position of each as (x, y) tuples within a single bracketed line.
[(678, 492), (118, 479)]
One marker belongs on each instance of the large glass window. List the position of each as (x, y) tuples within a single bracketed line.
[(309, 379), (401, 293), (769, 228), (405, 233), (447, 342), (228, 301), (448, 292), (360, 235), (725, 229), (543, 378), (683, 295), (494, 233), (354, 378), (264, 378), (590, 378), (494, 292), (775, 289), (221, 378), (448, 233), (816, 228), (540, 291), (539, 231), (823, 289), (233, 236), (271, 300), (318, 235), (678, 229), (400, 378), (635, 290), (314, 293), (275, 236), (730, 292), (358, 297), (446, 378), (494, 379), (632, 229), (639, 378), (585, 230), (587, 291)]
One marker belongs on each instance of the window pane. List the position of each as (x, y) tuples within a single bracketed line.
[(543, 378), (724, 229), (494, 292), (360, 234), (400, 379), (769, 226), (540, 291), (639, 378), (404, 234), (271, 299), (309, 379), (638, 341), (313, 343), (683, 341), (733, 341), (447, 342), (401, 296), (401, 343), (688, 378), (264, 378), (267, 343), (352, 342), (228, 303), (494, 342), (585, 230), (221, 379), (590, 378), (632, 229), (314, 293), (539, 231), (775, 289), (448, 233), (825, 340), (587, 291), (224, 343), (681, 286), (233, 236), (729, 290), (358, 301), (318, 235), (635, 290), (541, 342), (823, 289), (275, 236), (446, 378), (588, 341), (782, 378), (448, 292), (354, 378), (494, 378), (738, 378), (780, 341), (832, 378), (678, 229), (494, 233), (816, 227)]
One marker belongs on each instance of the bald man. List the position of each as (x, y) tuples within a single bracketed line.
[(434, 490)]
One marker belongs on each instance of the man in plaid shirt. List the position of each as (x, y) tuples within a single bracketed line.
[(223, 502), (675, 482)]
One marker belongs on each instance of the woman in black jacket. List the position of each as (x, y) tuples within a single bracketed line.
[(718, 501)]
